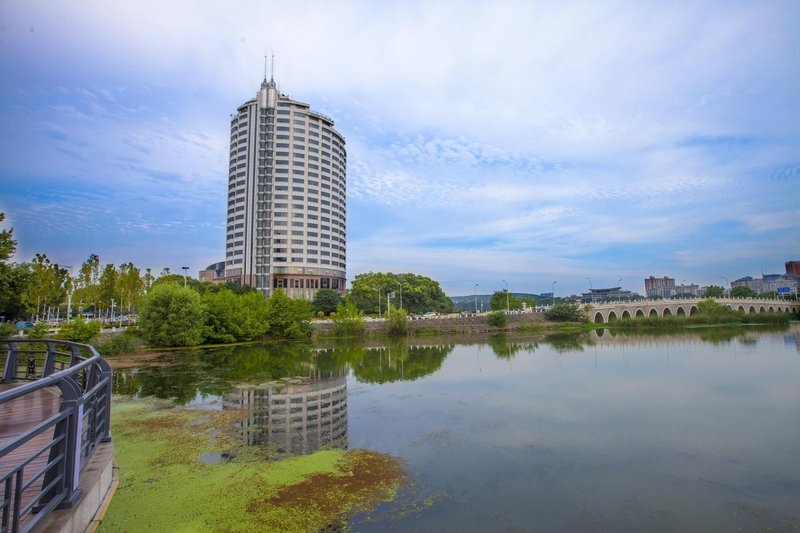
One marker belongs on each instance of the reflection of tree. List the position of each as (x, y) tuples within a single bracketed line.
[(396, 361), (181, 376), (505, 349), (568, 342)]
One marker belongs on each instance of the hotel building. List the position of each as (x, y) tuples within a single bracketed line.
[(286, 220)]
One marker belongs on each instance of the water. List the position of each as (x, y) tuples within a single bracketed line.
[(590, 432)]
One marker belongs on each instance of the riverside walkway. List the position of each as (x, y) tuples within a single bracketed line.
[(609, 311), (55, 449)]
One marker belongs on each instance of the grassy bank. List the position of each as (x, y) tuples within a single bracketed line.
[(168, 484)]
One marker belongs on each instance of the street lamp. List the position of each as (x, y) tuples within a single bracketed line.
[(185, 270), (379, 301), (591, 292), (476, 298), (553, 293), (508, 307)]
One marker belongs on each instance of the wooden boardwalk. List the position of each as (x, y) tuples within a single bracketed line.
[(17, 417)]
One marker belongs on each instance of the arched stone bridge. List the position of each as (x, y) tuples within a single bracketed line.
[(605, 312)]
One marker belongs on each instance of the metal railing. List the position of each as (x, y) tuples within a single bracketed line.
[(40, 468)]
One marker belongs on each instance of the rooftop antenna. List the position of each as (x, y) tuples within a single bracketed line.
[(272, 72), (265, 67)]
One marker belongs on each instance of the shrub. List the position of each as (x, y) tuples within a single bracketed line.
[(326, 301), (497, 319), (349, 320), (172, 315), (40, 330), (396, 322), (125, 343), (288, 318), (566, 312), (80, 330), (7, 329)]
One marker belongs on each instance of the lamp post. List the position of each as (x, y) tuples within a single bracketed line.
[(553, 293), (185, 270), (476, 298), (508, 307), (591, 292), (379, 302)]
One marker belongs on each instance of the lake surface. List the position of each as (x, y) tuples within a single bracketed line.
[(588, 432)]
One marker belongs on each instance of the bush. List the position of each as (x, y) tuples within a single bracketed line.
[(566, 312), (396, 322), (172, 315), (7, 329), (288, 318), (40, 330), (80, 330), (232, 317), (326, 301), (497, 319), (125, 343), (349, 320)]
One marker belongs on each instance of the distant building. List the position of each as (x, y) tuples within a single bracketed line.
[(214, 273), (602, 295), (286, 197), (690, 290), (793, 268), (659, 287)]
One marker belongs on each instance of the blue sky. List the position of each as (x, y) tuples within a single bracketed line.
[(530, 142)]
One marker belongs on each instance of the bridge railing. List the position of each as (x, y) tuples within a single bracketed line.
[(40, 468)]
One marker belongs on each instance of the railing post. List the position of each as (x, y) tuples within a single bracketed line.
[(12, 363), (106, 374), (70, 466), (49, 359)]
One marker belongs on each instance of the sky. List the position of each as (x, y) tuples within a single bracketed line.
[(497, 143)]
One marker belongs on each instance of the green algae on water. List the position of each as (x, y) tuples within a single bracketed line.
[(165, 486)]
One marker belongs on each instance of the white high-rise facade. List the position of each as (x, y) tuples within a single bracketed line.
[(286, 224)]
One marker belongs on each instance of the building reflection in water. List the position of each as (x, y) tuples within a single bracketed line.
[(294, 416)]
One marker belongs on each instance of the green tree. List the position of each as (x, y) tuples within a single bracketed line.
[(107, 287), (231, 317), (566, 312), (87, 285), (326, 301), (147, 279), (45, 287), (499, 301), (743, 291), (349, 320), (714, 291), (14, 281), (497, 319), (172, 315), (288, 318), (7, 243), (80, 330), (130, 287), (420, 294), (396, 322)]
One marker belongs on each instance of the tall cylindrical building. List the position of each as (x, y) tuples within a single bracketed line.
[(286, 224)]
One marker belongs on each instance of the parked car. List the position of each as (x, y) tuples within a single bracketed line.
[(24, 325)]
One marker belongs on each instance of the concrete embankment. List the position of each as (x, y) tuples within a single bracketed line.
[(447, 325)]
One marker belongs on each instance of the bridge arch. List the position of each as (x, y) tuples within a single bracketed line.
[(761, 309), (598, 317), (693, 310), (741, 309), (653, 312), (667, 312), (681, 311), (612, 316), (639, 313), (771, 309), (752, 310), (626, 315)]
